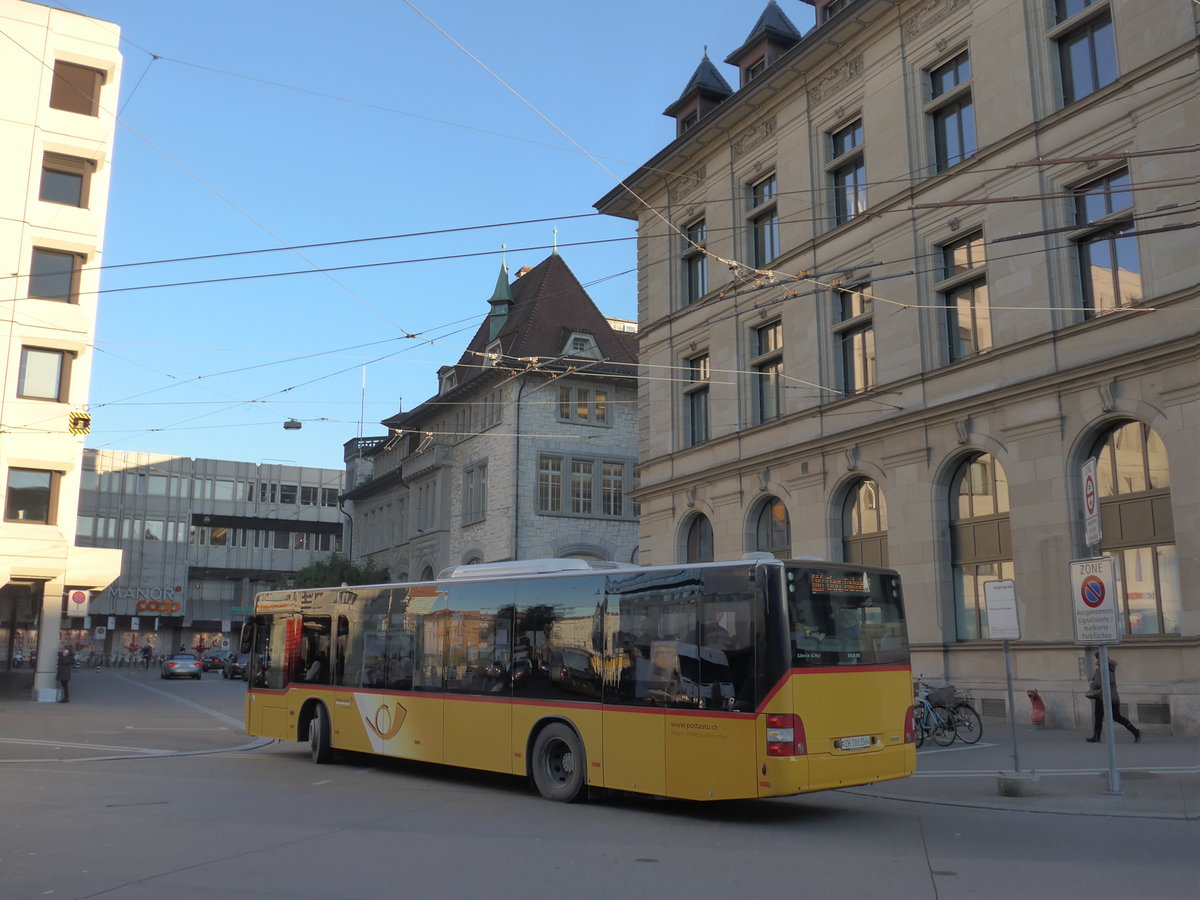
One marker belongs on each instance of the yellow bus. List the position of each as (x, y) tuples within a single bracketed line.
[(707, 681)]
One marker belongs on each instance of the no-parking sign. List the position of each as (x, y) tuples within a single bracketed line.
[(1094, 601), (77, 603)]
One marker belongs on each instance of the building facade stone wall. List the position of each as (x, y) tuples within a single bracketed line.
[(1063, 365)]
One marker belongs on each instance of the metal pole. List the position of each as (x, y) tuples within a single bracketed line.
[(1012, 709), (1114, 774)]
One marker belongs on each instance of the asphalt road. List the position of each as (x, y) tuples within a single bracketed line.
[(214, 813)]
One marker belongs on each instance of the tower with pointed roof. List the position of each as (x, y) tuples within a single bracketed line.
[(770, 38), (528, 449), (704, 92)]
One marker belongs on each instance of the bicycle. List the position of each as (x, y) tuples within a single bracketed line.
[(968, 727), (931, 719)]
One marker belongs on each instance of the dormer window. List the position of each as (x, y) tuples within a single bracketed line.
[(771, 38), (834, 7), (582, 345), (702, 95), (448, 380), (494, 352)]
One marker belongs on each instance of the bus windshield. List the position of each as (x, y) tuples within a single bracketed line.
[(845, 617)]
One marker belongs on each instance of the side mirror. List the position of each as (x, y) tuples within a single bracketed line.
[(247, 639)]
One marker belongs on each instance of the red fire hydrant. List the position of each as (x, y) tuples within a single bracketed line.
[(1037, 715)]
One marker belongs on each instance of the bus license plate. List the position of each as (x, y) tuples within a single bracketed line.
[(855, 743)]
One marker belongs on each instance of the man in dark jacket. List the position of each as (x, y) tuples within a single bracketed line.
[(66, 662), (1096, 692)]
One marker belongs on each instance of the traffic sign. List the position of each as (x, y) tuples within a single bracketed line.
[(77, 603), (1094, 601), (1091, 503)]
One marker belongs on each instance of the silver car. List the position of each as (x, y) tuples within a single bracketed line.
[(181, 665)]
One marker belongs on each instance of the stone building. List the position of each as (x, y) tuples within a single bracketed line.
[(528, 449), (926, 261), (60, 74)]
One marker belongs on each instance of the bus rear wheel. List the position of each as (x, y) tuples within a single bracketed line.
[(319, 739), (558, 765)]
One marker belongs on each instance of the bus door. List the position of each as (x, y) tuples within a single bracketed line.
[(275, 637), (709, 678), (390, 648), (477, 713)]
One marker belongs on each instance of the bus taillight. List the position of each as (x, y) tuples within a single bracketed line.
[(785, 735), (910, 730)]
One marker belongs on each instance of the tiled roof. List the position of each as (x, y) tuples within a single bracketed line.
[(705, 80), (549, 305), (773, 20), (773, 23)]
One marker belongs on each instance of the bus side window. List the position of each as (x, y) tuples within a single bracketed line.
[(314, 663)]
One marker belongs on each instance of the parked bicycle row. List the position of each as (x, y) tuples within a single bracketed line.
[(944, 715)]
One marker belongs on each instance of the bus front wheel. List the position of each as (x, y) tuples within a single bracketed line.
[(558, 764), (319, 742)]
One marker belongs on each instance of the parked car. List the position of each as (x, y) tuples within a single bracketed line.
[(182, 665), (236, 665), (212, 661)]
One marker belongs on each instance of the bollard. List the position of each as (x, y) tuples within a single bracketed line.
[(1037, 713)]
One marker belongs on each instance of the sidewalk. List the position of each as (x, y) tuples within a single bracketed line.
[(1160, 776)]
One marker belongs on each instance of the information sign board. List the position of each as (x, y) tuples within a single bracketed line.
[(1001, 600)]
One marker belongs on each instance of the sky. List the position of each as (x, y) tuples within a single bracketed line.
[(422, 142)]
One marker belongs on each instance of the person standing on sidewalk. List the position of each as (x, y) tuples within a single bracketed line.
[(1096, 694), (66, 662)]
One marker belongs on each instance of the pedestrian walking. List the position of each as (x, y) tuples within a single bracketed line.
[(66, 662), (1096, 695)]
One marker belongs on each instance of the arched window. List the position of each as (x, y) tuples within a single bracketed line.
[(699, 546), (773, 530), (1137, 528), (427, 573), (585, 556), (864, 525), (980, 539)]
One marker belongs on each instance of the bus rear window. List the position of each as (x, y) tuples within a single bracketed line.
[(845, 617)]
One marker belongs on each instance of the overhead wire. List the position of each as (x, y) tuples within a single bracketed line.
[(441, 258), (584, 151)]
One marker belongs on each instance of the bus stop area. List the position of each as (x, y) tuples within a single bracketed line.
[(111, 715)]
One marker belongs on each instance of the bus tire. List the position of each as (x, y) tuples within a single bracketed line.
[(558, 766), (319, 742)]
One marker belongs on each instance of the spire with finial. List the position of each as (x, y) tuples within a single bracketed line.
[(502, 298)]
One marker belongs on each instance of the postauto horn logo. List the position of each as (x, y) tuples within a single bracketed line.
[(387, 721)]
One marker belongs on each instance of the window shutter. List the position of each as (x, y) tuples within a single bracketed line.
[(75, 88)]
